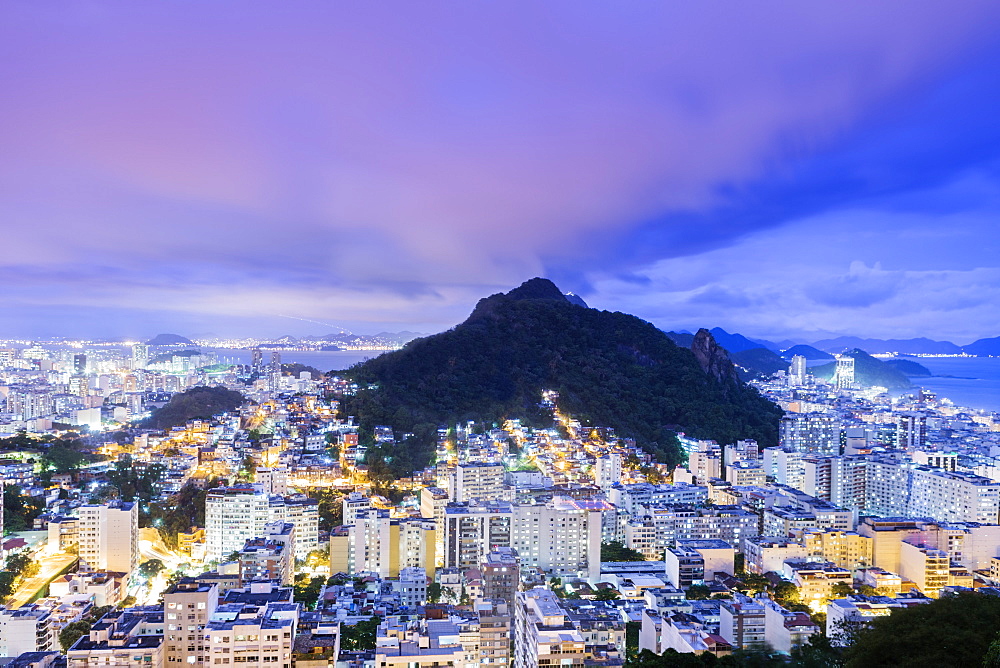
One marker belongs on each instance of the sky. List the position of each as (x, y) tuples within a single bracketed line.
[(784, 170)]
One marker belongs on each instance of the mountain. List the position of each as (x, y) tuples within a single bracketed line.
[(610, 369), (983, 347), (909, 367), (575, 299), (683, 339), (759, 362), (868, 371), (169, 340), (734, 343), (196, 403), (808, 352), (905, 346)]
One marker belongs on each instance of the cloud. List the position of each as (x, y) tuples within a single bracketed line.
[(860, 287), (352, 161)]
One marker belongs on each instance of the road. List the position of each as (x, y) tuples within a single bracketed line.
[(49, 567), (151, 547)]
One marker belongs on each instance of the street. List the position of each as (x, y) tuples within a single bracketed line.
[(49, 567)]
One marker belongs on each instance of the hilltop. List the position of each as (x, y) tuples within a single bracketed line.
[(611, 369), (869, 371), (169, 340)]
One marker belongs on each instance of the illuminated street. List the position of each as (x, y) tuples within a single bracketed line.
[(49, 568)]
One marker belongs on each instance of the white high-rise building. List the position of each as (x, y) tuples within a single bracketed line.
[(608, 470), (233, 515), (108, 537), (140, 356), (797, 371), (843, 376), (810, 433), (478, 481), (561, 537)]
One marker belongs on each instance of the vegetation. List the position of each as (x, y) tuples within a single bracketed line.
[(180, 512), (134, 483), (360, 636), (611, 369), (17, 567), (758, 362), (63, 456), (76, 630), (197, 403), (149, 569), (909, 367), (951, 631), (616, 551), (698, 592), (817, 653), (607, 594), (868, 371), (307, 590), (73, 632), (294, 369), (19, 511), (331, 507)]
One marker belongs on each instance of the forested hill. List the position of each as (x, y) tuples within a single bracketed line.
[(611, 369)]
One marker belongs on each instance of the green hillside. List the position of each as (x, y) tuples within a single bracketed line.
[(868, 371), (611, 369), (200, 402)]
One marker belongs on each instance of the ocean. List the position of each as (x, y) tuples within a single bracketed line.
[(973, 382), (334, 360)]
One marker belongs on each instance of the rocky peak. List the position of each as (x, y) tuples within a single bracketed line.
[(713, 358)]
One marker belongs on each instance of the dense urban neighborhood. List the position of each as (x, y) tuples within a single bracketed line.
[(163, 508)]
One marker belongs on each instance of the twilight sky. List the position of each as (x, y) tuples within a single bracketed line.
[(785, 170)]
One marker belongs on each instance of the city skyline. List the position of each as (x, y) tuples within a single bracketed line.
[(779, 172)]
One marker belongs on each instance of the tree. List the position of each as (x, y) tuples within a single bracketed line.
[(785, 593), (434, 592), (63, 455), (754, 583), (149, 569), (698, 593), (307, 592), (6, 584), (247, 468), (950, 631), (607, 594), (992, 658), (200, 402), (73, 632), (616, 551), (19, 511), (841, 590), (360, 636), (331, 507)]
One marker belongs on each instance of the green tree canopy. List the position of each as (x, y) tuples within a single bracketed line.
[(616, 551), (951, 631)]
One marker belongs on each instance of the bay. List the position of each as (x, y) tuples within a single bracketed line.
[(973, 382), (324, 360)]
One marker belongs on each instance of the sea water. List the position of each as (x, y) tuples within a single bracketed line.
[(324, 360), (973, 382)]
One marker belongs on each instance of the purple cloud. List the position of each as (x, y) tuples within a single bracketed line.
[(343, 163)]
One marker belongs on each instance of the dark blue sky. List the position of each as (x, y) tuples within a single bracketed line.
[(782, 170)]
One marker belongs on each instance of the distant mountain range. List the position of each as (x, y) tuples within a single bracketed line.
[(822, 349)]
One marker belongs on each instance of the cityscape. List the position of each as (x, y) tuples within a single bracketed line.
[(499, 336)]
